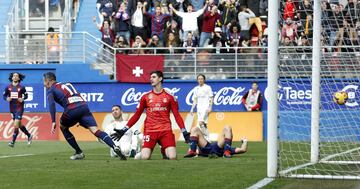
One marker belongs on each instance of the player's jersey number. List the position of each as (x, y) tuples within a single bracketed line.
[(70, 88)]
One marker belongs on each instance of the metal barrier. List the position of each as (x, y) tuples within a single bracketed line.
[(180, 63), (40, 48)]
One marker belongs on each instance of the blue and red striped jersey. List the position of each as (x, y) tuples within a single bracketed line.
[(15, 92), (65, 95)]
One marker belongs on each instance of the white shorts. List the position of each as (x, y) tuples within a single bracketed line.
[(202, 116)]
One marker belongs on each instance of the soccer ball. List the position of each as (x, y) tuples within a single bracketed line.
[(340, 97)]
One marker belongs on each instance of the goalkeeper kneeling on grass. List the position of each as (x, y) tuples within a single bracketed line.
[(130, 143), (215, 149)]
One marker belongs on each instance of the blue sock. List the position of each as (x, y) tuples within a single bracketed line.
[(24, 130), (227, 144), (193, 143), (71, 140), (16, 132), (105, 137)]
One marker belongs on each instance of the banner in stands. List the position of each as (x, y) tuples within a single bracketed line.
[(227, 95), (137, 68)]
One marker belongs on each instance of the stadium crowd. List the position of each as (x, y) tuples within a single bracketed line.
[(222, 23)]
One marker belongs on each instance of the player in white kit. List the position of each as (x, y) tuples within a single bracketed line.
[(203, 100), (130, 143)]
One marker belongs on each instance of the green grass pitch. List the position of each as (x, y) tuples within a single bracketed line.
[(49, 167)]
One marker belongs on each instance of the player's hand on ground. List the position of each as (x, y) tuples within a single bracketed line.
[(8, 99), (118, 133), (53, 128), (186, 136)]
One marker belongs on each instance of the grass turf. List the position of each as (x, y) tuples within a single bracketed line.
[(50, 167)]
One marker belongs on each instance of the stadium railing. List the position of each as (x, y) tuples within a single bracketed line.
[(179, 62)]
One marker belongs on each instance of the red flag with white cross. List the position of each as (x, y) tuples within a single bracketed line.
[(137, 68)]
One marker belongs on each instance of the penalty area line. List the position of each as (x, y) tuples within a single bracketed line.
[(261, 183), (17, 155)]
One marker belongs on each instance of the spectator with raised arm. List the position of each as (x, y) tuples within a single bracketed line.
[(254, 6), (189, 21), (209, 20), (138, 21), (122, 22), (107, 9), (228, 15), (158, 21), (244, 17), (107, 36), (172, 27)]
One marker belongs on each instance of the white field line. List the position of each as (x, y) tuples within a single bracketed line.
[(18, 155), (261, 183)]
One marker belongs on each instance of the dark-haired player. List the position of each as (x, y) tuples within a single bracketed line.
[(215, 149), (157, 128), (15, 94), (75, 111)]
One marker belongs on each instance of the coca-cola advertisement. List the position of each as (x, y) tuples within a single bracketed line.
[(227, 95), (38, 124)]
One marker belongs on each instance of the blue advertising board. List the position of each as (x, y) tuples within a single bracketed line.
[(227, 95)]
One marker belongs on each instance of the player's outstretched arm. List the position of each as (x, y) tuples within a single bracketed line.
[(175, 110)]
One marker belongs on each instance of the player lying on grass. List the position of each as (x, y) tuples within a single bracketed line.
[(157, 127), (15, 94), (215, 149), (75, 111), (130, 143)]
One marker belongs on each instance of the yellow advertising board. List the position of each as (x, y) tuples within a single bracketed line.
[(244, 125)]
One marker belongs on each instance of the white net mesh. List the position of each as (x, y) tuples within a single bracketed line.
[(339, 148)]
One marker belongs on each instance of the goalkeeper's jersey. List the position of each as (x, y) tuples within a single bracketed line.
[(158, 106)]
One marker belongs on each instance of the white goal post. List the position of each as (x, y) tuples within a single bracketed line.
[(308, 135)]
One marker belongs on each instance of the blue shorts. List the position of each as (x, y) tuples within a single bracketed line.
[(16, 115), (81, 115), (213, 148)]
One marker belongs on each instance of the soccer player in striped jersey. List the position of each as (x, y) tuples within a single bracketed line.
[(157, 127), (75, 111), (15, 94), (221, 148), (203, 100)]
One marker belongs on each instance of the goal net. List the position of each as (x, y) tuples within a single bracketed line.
[(338, 147)]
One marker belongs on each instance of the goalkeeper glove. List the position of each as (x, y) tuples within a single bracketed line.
[(119, 133), (186, 135)]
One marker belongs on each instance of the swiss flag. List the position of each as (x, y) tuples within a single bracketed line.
[(137, 68)]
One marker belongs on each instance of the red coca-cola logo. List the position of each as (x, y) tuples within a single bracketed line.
[(38, 125)]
